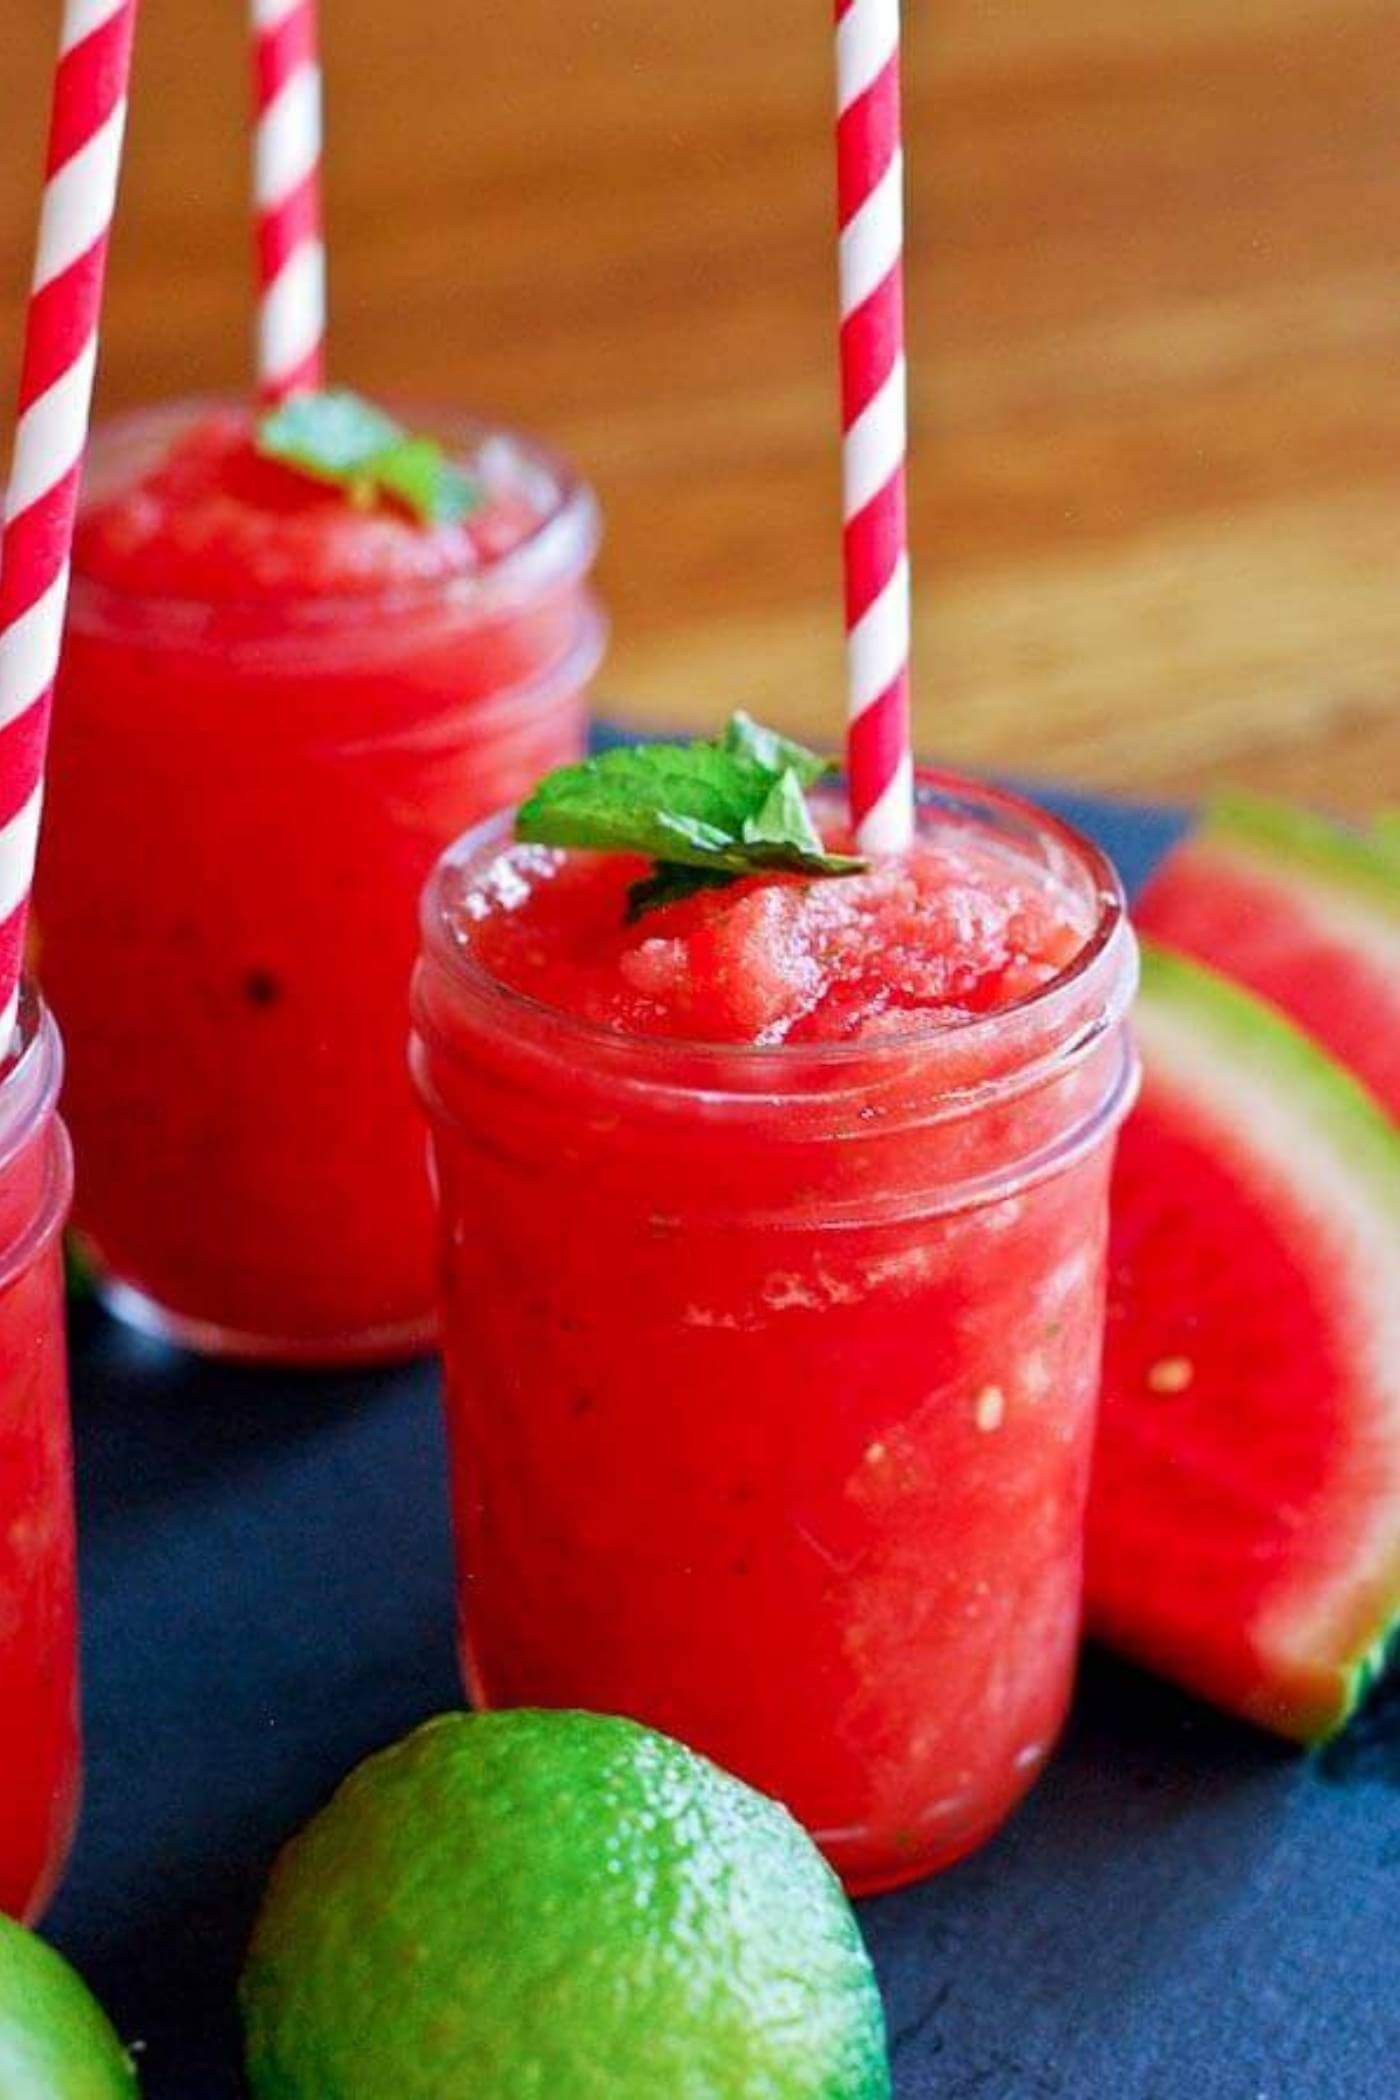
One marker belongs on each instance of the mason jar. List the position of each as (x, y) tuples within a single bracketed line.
[(264, 735), (39, 1745), (772, 1371)]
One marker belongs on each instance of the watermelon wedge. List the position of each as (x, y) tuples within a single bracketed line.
[(1302, 911), (1244, 1528)]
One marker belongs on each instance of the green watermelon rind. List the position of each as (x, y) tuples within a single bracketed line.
[(1367, 1672), (1258, 1033), (1301, 843), (1330, 1106)]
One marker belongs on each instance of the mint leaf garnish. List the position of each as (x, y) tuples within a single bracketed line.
[(343, 440), (671, 884), (784, 819), (639, 798), (329, 435), (705, 813), (777, 754), (425, 481)]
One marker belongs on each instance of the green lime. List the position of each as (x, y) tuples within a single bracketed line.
[(556, 1906), (56, 2043)]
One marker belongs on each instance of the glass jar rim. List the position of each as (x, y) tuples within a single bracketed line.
[(1107, 953), (31, 1076), (30, 1081), (563, 543)]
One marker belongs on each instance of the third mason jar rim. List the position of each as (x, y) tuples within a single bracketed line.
[(31, 1076), (561, 546), (30, 1082), (1111, 938)]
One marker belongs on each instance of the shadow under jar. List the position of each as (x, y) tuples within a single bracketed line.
[(275, 710), (772, 1371), (39, 1747)]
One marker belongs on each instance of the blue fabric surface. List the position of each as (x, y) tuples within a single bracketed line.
[(1183, 1910)]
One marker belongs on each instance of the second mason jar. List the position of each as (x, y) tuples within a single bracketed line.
[(39, 1749), (275, 710), (772, 1370)]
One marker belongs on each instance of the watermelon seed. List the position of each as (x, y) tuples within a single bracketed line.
[(1172, 1375), (990, 1410)]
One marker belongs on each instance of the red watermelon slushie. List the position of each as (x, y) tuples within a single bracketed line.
[(278, 703), (774, 1225), (38, 1610)]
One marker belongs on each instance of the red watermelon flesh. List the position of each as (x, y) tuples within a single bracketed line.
[(1244, 1528), (1301, 911)]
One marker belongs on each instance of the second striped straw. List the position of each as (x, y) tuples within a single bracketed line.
[(287, 147), (58, 367), (870, 193)]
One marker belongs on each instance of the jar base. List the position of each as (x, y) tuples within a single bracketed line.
[(864, 1864), (56, 1866), (860, 1881), (399, 1343), (868, 1869)]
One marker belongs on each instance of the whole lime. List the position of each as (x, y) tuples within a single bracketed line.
[(556, 1906), (56, 2043)]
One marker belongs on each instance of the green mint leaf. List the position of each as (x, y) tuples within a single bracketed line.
[(673, 802), (784, 819), (776, 754), (457, 494), (330, 436), (670, 884), (782, 835), (705, 813), (347, 442), (800, 860), (419, 473), (692, 834)]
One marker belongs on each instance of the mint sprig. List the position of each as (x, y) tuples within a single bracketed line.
[(745, 738), (340, 439), (706, 813)]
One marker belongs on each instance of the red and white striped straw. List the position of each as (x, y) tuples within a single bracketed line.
[(291, 254), (870, 196), (58, 366)]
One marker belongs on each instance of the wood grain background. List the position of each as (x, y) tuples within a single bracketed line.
[(1155, 314)]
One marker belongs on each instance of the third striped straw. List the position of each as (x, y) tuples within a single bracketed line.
[(56, 378), (291, 255), (870, 195)]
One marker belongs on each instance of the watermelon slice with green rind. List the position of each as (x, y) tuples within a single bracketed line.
[(1303, 911), (1244, 1531)]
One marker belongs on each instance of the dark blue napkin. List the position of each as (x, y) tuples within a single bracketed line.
[(1183, 1910)]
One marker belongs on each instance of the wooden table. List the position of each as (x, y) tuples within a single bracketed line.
[(1156, 338)]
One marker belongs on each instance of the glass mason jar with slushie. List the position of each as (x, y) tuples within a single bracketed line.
[(39, 1752), (281, 697), (773, 1229)]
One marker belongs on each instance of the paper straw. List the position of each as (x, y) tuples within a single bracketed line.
[(59, 360), (291, 255), (870, 195)]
